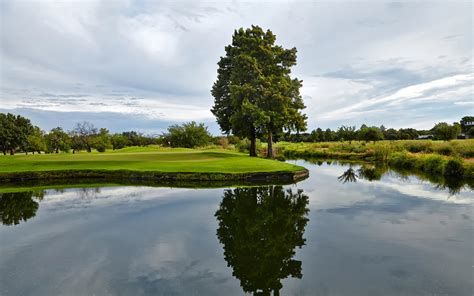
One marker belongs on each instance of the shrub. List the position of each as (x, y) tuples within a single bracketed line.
[(433, 164), (222, 141), (418, 146), (454, 168), (444, 149), (401, 160), (243, 145), (188, 135), (382, 151)]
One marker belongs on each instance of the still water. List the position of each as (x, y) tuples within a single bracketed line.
[(335, 233)]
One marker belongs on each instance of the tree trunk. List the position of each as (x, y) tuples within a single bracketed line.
[(57, 150), (270, 146), (4, 152), (253, 146), (12, 152)]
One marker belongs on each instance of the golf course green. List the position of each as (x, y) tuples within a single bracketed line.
[(169, 164)]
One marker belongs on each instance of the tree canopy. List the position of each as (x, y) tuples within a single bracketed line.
[(445, 131), (188, 135), (254, 93)]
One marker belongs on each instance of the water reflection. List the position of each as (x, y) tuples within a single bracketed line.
[(18, 206), (260, 228), (376, 172), (348, 176)]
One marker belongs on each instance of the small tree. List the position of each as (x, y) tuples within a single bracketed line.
[(317, 135), (36, 141), (101, 141), (57, 140), (444, 131), (408, 133), (370, 134), (119, 141), (84, 134), (391, 134), (347, 133), (188, 135)]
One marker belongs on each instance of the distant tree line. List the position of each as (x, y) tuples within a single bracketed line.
[(441, 131), (18, 134)]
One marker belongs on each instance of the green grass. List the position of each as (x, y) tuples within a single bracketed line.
[(453, 158), (458, 148), (146, 159)]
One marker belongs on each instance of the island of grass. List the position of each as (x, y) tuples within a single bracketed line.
[(150, 164)]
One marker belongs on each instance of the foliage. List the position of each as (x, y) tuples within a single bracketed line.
[(101, 141), (454, 168), (36, 141), (14, 132), (57, 140), (444, 131), (188, 135), (347, 133), (84, 134), (254, 93), (466, 124), (470, 132), (407, 133), (370, 134), (119, 141), (16, 207), (260, 228)]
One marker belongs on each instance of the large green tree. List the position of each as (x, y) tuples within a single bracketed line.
[(254, 93)]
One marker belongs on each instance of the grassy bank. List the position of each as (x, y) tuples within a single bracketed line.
[(448, 159), (149, 164)]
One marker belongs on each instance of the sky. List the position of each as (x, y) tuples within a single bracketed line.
[(143, 65)]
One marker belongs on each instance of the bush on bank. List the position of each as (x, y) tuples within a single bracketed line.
[(431, 157), (448, 167)]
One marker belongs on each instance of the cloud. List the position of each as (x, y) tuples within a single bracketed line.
[(431, 91), (357, 60)]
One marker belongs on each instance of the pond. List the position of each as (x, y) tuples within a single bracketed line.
[(335, 233)]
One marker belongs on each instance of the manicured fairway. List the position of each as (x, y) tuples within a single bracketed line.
[(182, 161)]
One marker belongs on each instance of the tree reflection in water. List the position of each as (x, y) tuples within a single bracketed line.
[(375, 173), (259, 228), (348, 176), (18, 206)]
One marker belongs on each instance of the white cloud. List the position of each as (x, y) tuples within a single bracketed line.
[(358, 60), (423, 92)]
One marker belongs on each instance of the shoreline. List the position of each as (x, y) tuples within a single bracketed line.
[(154, 176)]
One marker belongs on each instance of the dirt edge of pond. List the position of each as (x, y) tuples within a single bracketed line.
[(153, 176)]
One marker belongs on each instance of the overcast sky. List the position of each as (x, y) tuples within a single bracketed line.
[(146, 64)]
